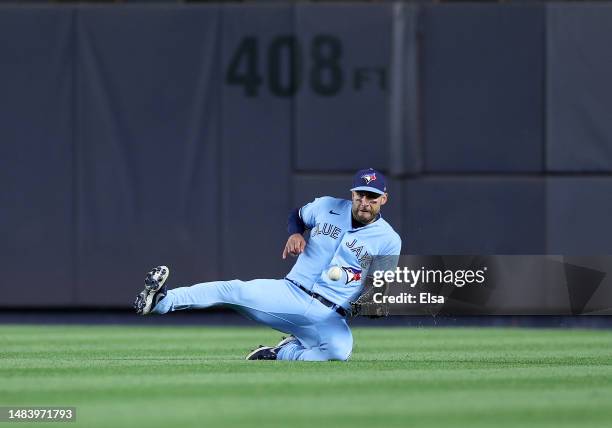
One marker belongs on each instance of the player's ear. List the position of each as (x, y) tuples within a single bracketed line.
[(383, 199)]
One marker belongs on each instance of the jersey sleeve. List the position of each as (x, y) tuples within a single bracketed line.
[(308, 213), (295, 223), (389, 258)]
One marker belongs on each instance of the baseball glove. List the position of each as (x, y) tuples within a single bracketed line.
[(364, 305)]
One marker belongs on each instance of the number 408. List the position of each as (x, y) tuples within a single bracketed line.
[(325, 76)]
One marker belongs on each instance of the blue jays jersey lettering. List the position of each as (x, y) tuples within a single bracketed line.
[(326, 229), (334, 242), (362, 255)]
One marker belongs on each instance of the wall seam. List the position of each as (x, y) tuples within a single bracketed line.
[(75, 152)]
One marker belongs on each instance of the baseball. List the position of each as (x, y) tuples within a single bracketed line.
[(334, 273)]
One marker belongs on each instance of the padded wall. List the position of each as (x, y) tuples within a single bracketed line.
[(482, 72), (148, 128), (36, 156), (455, 215), (256, 147), (133, 136), (578, 86)]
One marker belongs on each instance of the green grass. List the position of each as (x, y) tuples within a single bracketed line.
[(195, 377)]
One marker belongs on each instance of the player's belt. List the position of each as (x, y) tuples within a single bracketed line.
[(320, 298)]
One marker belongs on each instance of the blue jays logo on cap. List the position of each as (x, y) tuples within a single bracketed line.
[(369, 177), (352, 274), (369, 180)]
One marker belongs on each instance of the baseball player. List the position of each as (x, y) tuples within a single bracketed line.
[(312, 302)]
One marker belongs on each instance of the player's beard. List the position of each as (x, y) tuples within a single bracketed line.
[(364, 217)]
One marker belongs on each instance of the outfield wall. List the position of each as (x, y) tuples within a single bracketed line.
[(132, 136)]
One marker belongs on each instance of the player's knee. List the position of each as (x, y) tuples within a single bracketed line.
[(340, 352)]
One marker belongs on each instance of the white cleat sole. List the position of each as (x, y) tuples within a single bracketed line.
[(154, 281)]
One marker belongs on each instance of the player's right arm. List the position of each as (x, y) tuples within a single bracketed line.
[(295, 226), (299, 220)]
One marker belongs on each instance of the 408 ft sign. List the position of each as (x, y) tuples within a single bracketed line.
[(284, 70)]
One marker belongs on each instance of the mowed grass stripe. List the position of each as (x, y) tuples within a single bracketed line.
[(191, 376)]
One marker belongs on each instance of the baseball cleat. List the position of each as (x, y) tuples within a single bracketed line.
[(154, 290), (286, 340), (262, 353)]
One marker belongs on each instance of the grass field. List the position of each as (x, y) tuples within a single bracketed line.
[(196, 377)]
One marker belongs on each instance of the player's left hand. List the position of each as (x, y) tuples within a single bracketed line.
[(295, 245)]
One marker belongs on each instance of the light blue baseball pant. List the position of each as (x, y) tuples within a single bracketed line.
[(322, 334)]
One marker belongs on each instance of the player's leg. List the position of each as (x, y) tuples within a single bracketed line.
[(255, 298), (276, 303), (321, 334), (328, 338), (337, 345)]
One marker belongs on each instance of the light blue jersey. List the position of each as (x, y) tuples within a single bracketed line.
[(320, 333), (334, 242)]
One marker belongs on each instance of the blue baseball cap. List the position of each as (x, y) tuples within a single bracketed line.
[(369, 180)]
